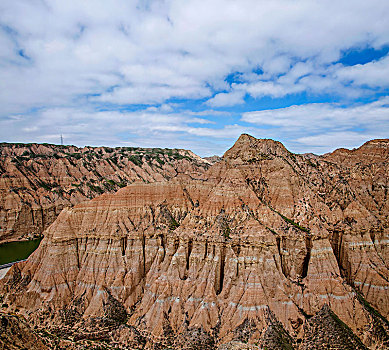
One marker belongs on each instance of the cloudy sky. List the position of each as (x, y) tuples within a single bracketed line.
[(194, 74)]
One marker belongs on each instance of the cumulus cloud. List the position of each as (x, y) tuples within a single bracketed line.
[(269, 88), (224, 99), (373, 74), (128, 53), (321, 115)]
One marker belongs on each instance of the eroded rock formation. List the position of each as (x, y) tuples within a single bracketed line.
[(267, 249), (37, 181), (15, 334)]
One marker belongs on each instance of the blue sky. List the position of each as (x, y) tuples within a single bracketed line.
[(195, 74)]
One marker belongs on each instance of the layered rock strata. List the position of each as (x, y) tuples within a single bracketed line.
[(267, 249), (38, 180)]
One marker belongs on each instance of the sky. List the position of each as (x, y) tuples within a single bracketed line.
[(195, 74)]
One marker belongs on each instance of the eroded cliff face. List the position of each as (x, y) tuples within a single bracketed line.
[(269, 248), (37, 181)]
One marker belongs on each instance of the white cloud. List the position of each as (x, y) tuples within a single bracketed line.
[(315, 128), (333, 140), (144, 128), (322, 127), (374, 74), (313, 117), (135, 53), (207, 112), (63, 62), (150, 94), (227, 99), (30, 129), (200, 121), (268, 88), (165, 108)]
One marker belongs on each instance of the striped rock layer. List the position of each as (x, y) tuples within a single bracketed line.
[(269, 248), (38, 180)]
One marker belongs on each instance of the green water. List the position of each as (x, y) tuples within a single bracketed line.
[(14, 251)]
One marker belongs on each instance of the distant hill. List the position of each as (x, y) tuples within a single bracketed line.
[(38, 180)]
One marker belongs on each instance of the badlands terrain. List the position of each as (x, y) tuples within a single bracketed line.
[(264, 249), (38, 180)]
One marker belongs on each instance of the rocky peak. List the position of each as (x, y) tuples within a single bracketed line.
[(213, 159), (376, 148), (371, 151), (377, 143), (248, 148)]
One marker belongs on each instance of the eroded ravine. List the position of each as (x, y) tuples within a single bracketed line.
[(261, 250)]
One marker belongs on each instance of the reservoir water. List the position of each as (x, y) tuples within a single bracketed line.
[(15, 251)]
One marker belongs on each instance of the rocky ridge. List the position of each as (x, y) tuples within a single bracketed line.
[(213, 159), (268, 249), (38, 180)]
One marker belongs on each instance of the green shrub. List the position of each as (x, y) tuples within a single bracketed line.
[(160, 161), (226, 232), (173, 224), (94, 188), (295, 224), (74, 155), (136, 160), (45, 185)]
